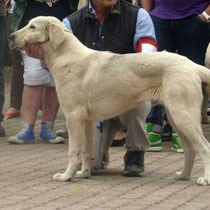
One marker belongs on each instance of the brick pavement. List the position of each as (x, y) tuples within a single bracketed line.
[(26, 179)]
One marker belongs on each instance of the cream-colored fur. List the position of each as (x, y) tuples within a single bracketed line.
[(82, 3), (206, 91), (93, 86), (207, 60)]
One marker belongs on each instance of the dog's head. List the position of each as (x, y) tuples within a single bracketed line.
[(39, 30)]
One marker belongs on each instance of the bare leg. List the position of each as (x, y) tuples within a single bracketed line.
[(31, 102), (50, 104)]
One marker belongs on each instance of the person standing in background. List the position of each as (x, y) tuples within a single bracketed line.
[(3, 29), (181, 27), (16, 90), (39, 88)]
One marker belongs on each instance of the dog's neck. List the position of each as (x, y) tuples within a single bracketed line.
[(71, 47)]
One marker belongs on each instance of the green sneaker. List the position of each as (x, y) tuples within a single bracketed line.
[(176, 143), (154, 139), (148, 127), (155, 142)]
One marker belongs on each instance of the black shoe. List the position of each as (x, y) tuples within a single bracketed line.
[(134, 163), (118, 142), (166, 133), (63, 133)]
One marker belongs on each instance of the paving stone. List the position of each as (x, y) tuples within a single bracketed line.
[(26, 178)]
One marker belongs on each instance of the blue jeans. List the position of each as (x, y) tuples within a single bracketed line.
[(2, 60), (188, 37)]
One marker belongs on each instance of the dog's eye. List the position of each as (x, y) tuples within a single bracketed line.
[(32, 27)]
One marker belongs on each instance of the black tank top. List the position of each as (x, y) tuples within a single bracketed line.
[(34, 8)]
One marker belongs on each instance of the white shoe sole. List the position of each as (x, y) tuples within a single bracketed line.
[(154, 149), (63, 133), (58, 140), (177, 150), (12, 140)]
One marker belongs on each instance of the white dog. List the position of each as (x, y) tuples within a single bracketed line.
[(94, 86)]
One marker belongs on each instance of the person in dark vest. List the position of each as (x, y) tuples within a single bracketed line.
[(119, 27)]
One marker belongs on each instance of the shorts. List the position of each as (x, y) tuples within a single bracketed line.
[(35, 73)]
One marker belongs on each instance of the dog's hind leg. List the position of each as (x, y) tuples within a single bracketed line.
[(189, 154), (86, 153), (76, 137), (187, 123)]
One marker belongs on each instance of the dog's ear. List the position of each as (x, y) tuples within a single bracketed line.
[(82, 3), (56, 35)]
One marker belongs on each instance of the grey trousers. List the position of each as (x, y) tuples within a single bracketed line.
[(136, 140), (3, 28)]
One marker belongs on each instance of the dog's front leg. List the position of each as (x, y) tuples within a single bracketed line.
[(86, 153), (76, 137)]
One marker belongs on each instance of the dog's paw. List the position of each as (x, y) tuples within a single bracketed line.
[(181, 176), (61, 177), (203, 181), (83, 174)]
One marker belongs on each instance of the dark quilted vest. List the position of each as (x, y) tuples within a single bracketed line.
[(116, 33)]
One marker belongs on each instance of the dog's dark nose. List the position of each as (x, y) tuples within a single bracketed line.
[(12, 36)]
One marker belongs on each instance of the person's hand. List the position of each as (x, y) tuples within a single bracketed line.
[(4, 1), (202, 17), (35, 51), (154, 102)]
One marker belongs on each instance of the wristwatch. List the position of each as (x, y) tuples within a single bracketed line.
[(206, 16)]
